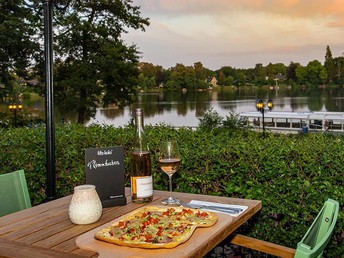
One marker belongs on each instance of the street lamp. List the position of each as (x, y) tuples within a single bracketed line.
[(13, 108), (261, 108)]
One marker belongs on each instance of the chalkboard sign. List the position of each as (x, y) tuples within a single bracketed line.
[(105, 170)]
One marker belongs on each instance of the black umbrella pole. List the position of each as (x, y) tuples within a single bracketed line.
[(49, 101)]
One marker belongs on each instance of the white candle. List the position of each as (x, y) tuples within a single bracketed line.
[(85, 206)]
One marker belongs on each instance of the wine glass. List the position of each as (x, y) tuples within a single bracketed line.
[(169, 162)]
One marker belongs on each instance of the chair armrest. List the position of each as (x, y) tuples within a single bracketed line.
[(262, 246)]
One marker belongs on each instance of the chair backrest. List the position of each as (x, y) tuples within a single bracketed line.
[(14, 194), (318, 235)]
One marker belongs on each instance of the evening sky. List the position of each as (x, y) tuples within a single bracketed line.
[(239, 33)]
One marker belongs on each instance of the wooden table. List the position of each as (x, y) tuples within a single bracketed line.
[(46, 231)]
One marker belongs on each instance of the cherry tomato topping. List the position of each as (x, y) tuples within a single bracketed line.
[(154, 221), (148, 237), (187, 211), (202, 214)]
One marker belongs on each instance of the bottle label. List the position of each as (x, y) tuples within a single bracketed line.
[(144, 186)]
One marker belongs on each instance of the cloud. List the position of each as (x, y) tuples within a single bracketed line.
[(331, 9), (239, 32)]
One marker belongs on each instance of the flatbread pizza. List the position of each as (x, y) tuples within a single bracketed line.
[(156, 227)]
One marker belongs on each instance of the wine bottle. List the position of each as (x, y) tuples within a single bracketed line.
[(141, 168)]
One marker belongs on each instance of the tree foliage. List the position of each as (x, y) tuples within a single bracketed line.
[(194, 77), (18, 47), (329, 65), (313, 74), (94, 63), (150, 76), (339, 70)]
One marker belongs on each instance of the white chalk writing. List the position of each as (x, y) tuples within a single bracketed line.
[(105, 152), (94, 165)]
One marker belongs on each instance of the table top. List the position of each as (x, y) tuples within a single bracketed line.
[(46, 231)]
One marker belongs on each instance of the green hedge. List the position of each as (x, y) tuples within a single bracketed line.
[(292, 174)]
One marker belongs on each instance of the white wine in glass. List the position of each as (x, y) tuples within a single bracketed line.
[(169, 162)]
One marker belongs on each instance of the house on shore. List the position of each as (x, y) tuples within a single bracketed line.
[(212, 81)]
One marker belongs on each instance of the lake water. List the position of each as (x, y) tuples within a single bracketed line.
[(185, 109)]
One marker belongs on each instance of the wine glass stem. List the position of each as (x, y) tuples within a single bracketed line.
[(170, 184)]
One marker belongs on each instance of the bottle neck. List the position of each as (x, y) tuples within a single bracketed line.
[(139, 122), (140, 139)]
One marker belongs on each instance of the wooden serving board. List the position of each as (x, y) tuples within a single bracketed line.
[(201, 238)]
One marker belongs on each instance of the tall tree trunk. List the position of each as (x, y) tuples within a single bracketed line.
[(82, 108)]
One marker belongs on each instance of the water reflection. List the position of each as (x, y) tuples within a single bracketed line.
[(185, 109)]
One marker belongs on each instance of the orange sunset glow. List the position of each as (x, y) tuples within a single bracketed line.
[(239, 33)]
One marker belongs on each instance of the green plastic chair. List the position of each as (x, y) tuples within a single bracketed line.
[(319, 234), (14, 194), (312, 244)]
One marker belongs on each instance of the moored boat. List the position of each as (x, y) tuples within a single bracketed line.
[(296, 121)]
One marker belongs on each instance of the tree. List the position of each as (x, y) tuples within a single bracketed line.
[(339, 67), (200, 72), (92, 59), (291, 71), (228, 81), (250, 75), (159, 75), (229, 76), (275, 72), (181, 77), (145, 83), (222, 77), (227, 71), (18, 48), (260, 74), (201, 75), (271, 71), (240, 78), (329, 65), (301, 74), (280, 68), (153, 73), (315, 73)]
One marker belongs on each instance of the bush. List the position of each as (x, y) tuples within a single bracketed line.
[(210, 120), (292, 174), (232, 121)]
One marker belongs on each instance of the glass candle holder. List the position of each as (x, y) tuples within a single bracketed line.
[(85, 206)]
